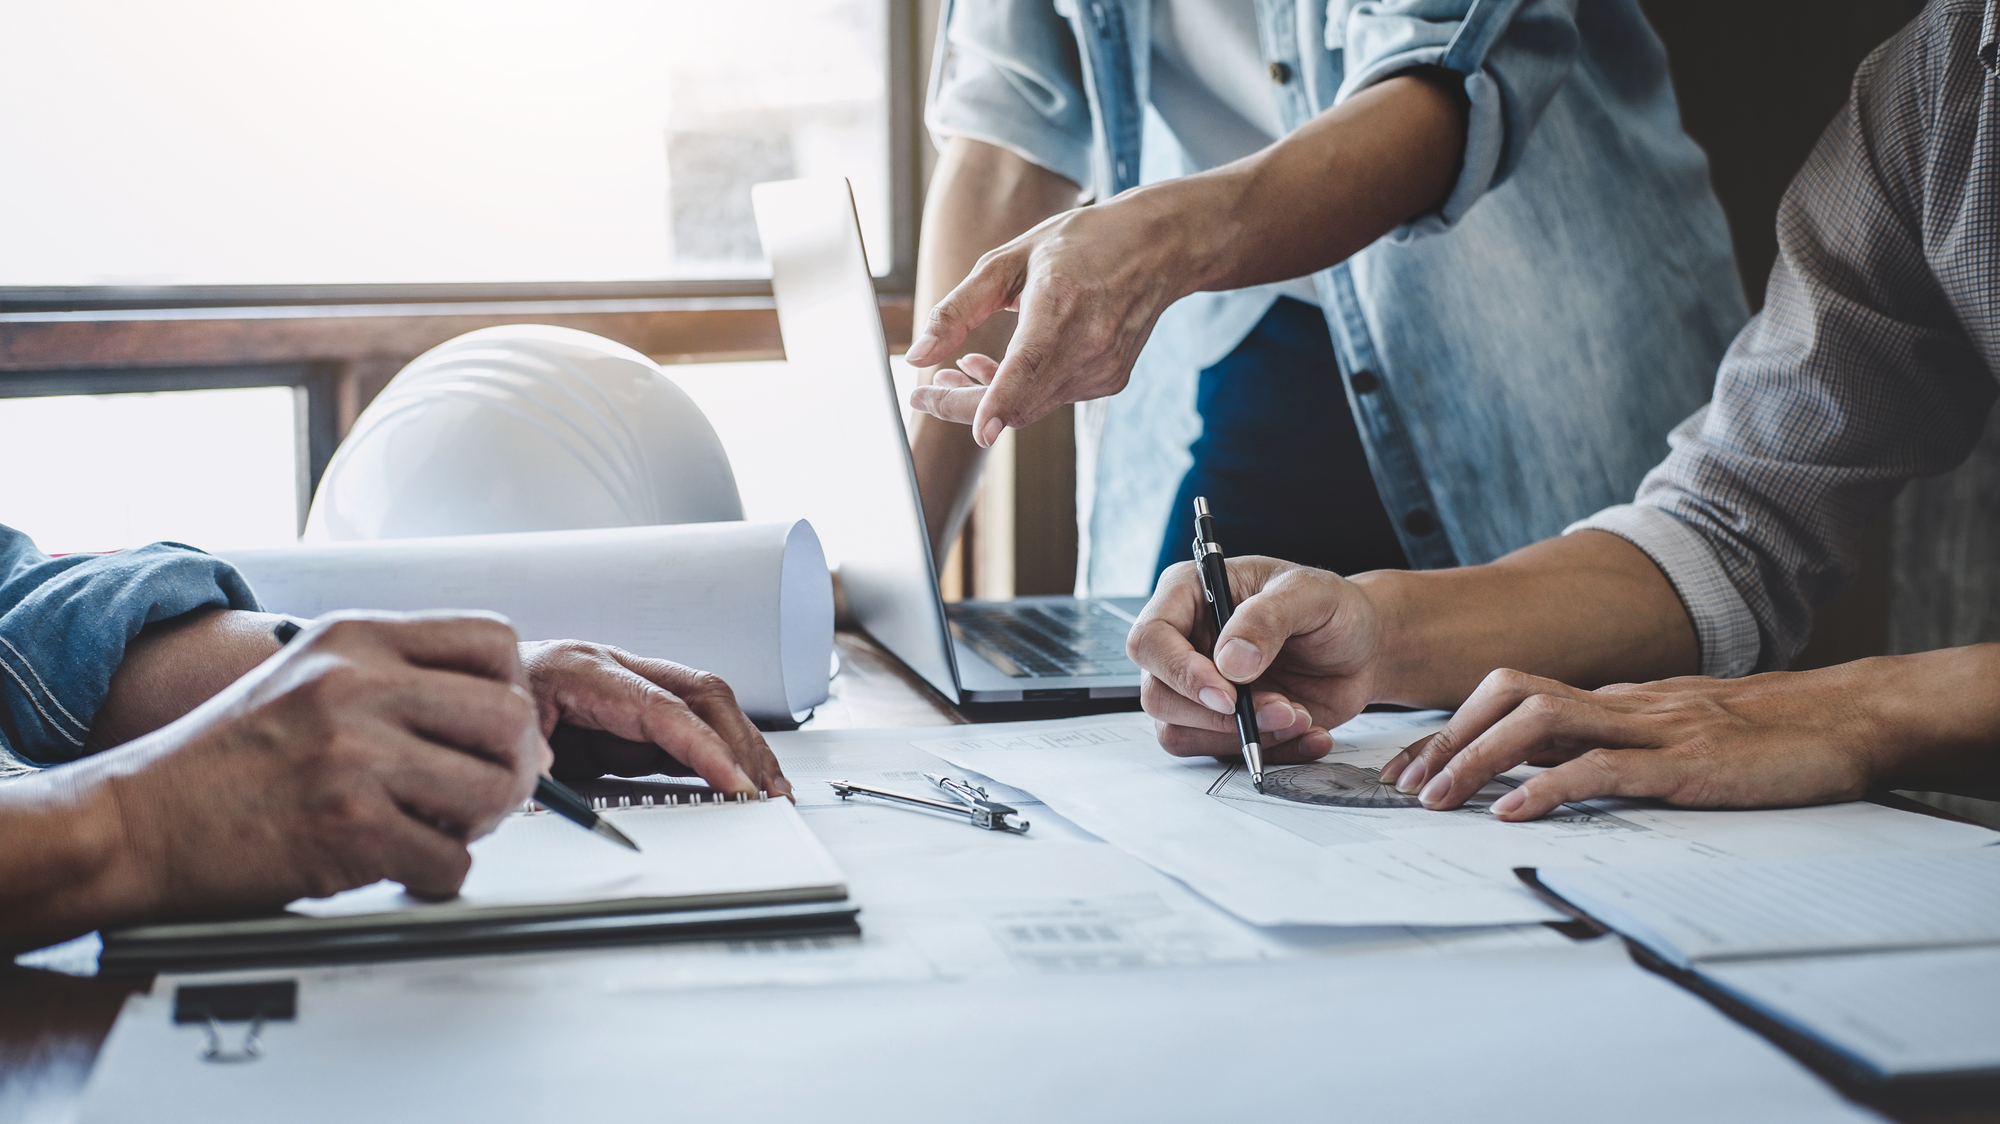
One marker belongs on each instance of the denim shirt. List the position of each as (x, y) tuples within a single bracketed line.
[(1514, 357), (64, 624)]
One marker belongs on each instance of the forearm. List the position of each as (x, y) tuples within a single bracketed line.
[(1586, 609), (980, 197), (1325, 191), (61, 868), (177, 665), (1929, 720)]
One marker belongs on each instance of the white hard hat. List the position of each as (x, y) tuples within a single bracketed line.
[(524, 428)]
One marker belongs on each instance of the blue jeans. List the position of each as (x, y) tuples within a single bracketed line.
[(1279, 457)]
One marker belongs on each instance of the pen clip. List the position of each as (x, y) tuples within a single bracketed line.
[(1200, 556)]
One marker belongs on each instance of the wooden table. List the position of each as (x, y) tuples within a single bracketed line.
[(51, 1025)]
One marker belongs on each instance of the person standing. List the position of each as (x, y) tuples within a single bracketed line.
[(1448, 268)]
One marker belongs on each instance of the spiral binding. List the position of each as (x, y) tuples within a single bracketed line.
[(664, 800)]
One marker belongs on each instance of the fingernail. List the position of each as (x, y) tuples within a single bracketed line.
[(920, 349), (1413, 775), (1238, 659), (1275, 716), (1438, 789), (1390, 772), (1215, 700), (1509, 803), (991, 432), (1319, 743)]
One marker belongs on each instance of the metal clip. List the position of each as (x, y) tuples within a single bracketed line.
[(250, 1051)]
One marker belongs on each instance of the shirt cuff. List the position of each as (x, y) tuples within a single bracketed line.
[(1485, 134), (1722, 621)]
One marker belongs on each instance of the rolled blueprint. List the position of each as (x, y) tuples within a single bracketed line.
[(751, 602)]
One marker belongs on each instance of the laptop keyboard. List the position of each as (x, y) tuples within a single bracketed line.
[(1046, 640)]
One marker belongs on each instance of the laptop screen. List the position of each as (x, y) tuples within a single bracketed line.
[(857, 483)]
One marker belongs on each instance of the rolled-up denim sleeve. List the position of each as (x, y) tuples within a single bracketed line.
[(64, 625), (1006, 72), (1512, 54)]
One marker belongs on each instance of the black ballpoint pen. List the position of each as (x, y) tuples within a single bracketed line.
[(550, 793), (1214, 570), (563, 800)]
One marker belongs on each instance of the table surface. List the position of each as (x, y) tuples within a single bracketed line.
[(51, 1025)]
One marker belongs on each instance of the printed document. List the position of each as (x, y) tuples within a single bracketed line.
[(1276, 861)]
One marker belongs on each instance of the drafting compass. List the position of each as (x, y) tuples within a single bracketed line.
[(972, 802)]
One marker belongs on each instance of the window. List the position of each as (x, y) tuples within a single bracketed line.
[(216, 468), (428, 142), (176, 173)]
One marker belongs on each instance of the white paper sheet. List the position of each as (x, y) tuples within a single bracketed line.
[(1853, 903), (751, 602), (1935, 1011), (1273, 862), (687, 851), (1500, 1036)]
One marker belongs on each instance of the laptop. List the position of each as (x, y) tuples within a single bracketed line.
[(864, 501)]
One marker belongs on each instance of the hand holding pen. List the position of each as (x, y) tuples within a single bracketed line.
[(1303, 674)]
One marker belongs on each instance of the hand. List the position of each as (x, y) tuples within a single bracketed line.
[(1301, 640), (1088, 283), (1780, 739), (374, 746), (691, 716)]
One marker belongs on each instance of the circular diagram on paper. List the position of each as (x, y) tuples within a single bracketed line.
[(1336, 783)]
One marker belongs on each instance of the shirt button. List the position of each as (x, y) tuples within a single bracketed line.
[(1364, 382), (1280, 73), (1419, 523)]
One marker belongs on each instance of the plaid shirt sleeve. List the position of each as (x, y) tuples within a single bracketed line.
[(1868, 366)]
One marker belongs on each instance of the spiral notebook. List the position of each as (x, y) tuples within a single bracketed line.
[(710, 868)]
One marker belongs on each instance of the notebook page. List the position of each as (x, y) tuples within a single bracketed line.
[(1926, 1011), (1713, 911), (688, 851)]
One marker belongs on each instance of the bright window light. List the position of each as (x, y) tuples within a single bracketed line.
[(227, 142), (210, 468)]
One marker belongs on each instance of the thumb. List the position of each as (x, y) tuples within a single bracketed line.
[(991, 287), (1264, 621)]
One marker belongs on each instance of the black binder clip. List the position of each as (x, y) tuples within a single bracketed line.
[(254, 1003)]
